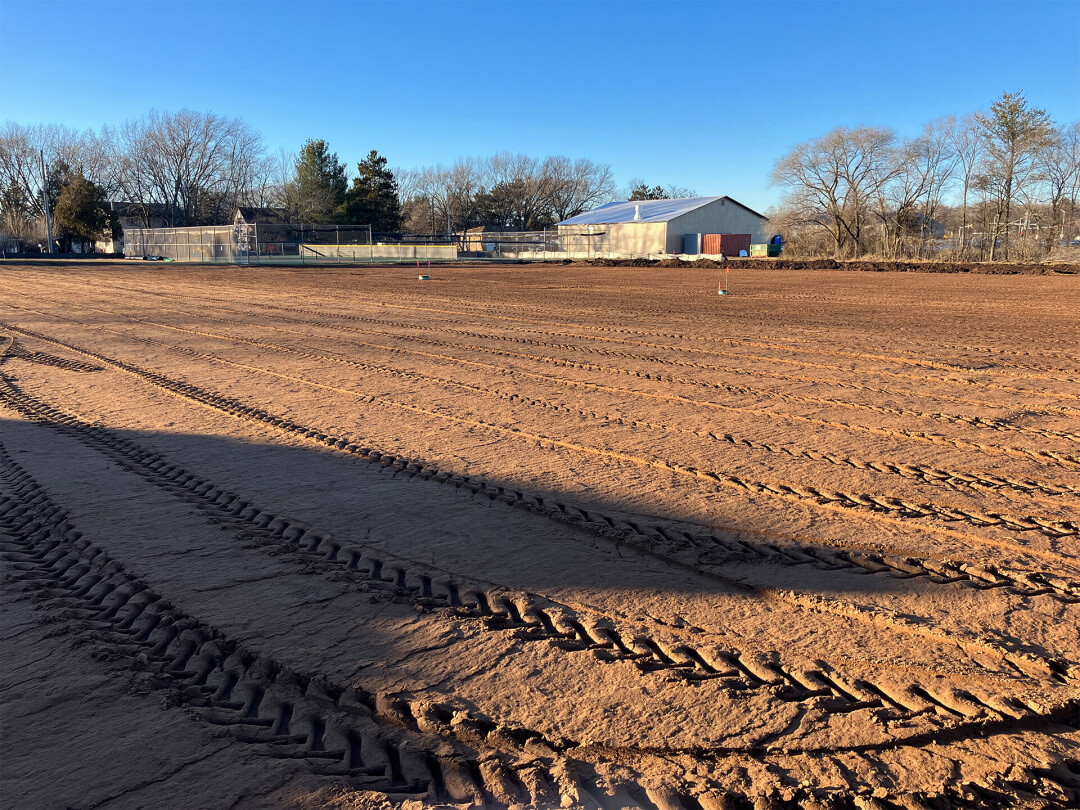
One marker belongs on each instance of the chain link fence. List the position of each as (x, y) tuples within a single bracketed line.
[(268, 243), (293, 243), (550, 245)]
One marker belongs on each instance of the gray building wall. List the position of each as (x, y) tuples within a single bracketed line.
[(720, 216), (640, 238)]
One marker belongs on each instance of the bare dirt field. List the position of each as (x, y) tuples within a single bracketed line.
[(538, 536)]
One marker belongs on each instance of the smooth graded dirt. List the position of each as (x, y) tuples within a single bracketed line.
[(550, 536)]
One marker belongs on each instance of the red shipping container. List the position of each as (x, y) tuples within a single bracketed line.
[(727, 243)]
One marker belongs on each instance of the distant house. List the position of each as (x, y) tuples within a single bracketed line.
[(479, 239), (133, 215), (142, 215), (247, 215), (929, 227), (659, 226)]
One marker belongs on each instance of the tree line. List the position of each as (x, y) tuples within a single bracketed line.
[(509, 192), (191, 168), (1004, 183), (503, 192)]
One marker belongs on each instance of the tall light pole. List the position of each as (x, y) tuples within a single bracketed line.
[(45, 199)]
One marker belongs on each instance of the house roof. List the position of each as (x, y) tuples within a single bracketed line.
[(130, 209), (269, 215), (650, 211)]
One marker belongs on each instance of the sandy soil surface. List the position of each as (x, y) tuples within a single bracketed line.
[(538, 536)]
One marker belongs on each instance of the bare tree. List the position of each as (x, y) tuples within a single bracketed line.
[(67, 152), (409, 182), (833, 180), (968, 141), (520, 187), (936, 160), (197, 165), (451, 195), (907, 203), (1059, 167), (459, 188), (266, 190), (578, 185), (84, 153), (20, 164), (675, 192), (803, 236), (896, 202), (418, 199), (276, 189), (505, 189)]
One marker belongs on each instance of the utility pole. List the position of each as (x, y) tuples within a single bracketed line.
[(45, 199)]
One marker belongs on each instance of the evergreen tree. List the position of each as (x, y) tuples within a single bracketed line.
[(81, 210), (1015, 134), (318, 186), (374, 198), (643, 192), (60, 175)]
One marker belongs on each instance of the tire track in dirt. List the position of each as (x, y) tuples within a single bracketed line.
[(773, 344), (1043, 456), (875, 561), (376, 742), (793, 347), (488, 311), (934, 476), (975, 646), (978, 422), (960, 419), (750, 372), (739, 390), (727, 369), (10, 349), (953, 480), (755, 372), (534, 618), (501, 307), (885, 508), (1031, 583)]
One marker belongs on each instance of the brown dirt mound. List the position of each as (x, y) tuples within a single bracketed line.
[(864, 266)]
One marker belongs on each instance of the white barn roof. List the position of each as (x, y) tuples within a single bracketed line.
[(651, 211)]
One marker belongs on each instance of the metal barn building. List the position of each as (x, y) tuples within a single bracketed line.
[(659, 226)]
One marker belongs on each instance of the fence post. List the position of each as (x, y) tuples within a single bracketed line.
[(257, 243)]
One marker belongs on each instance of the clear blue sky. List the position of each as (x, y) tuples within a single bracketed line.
[(699, 94)]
